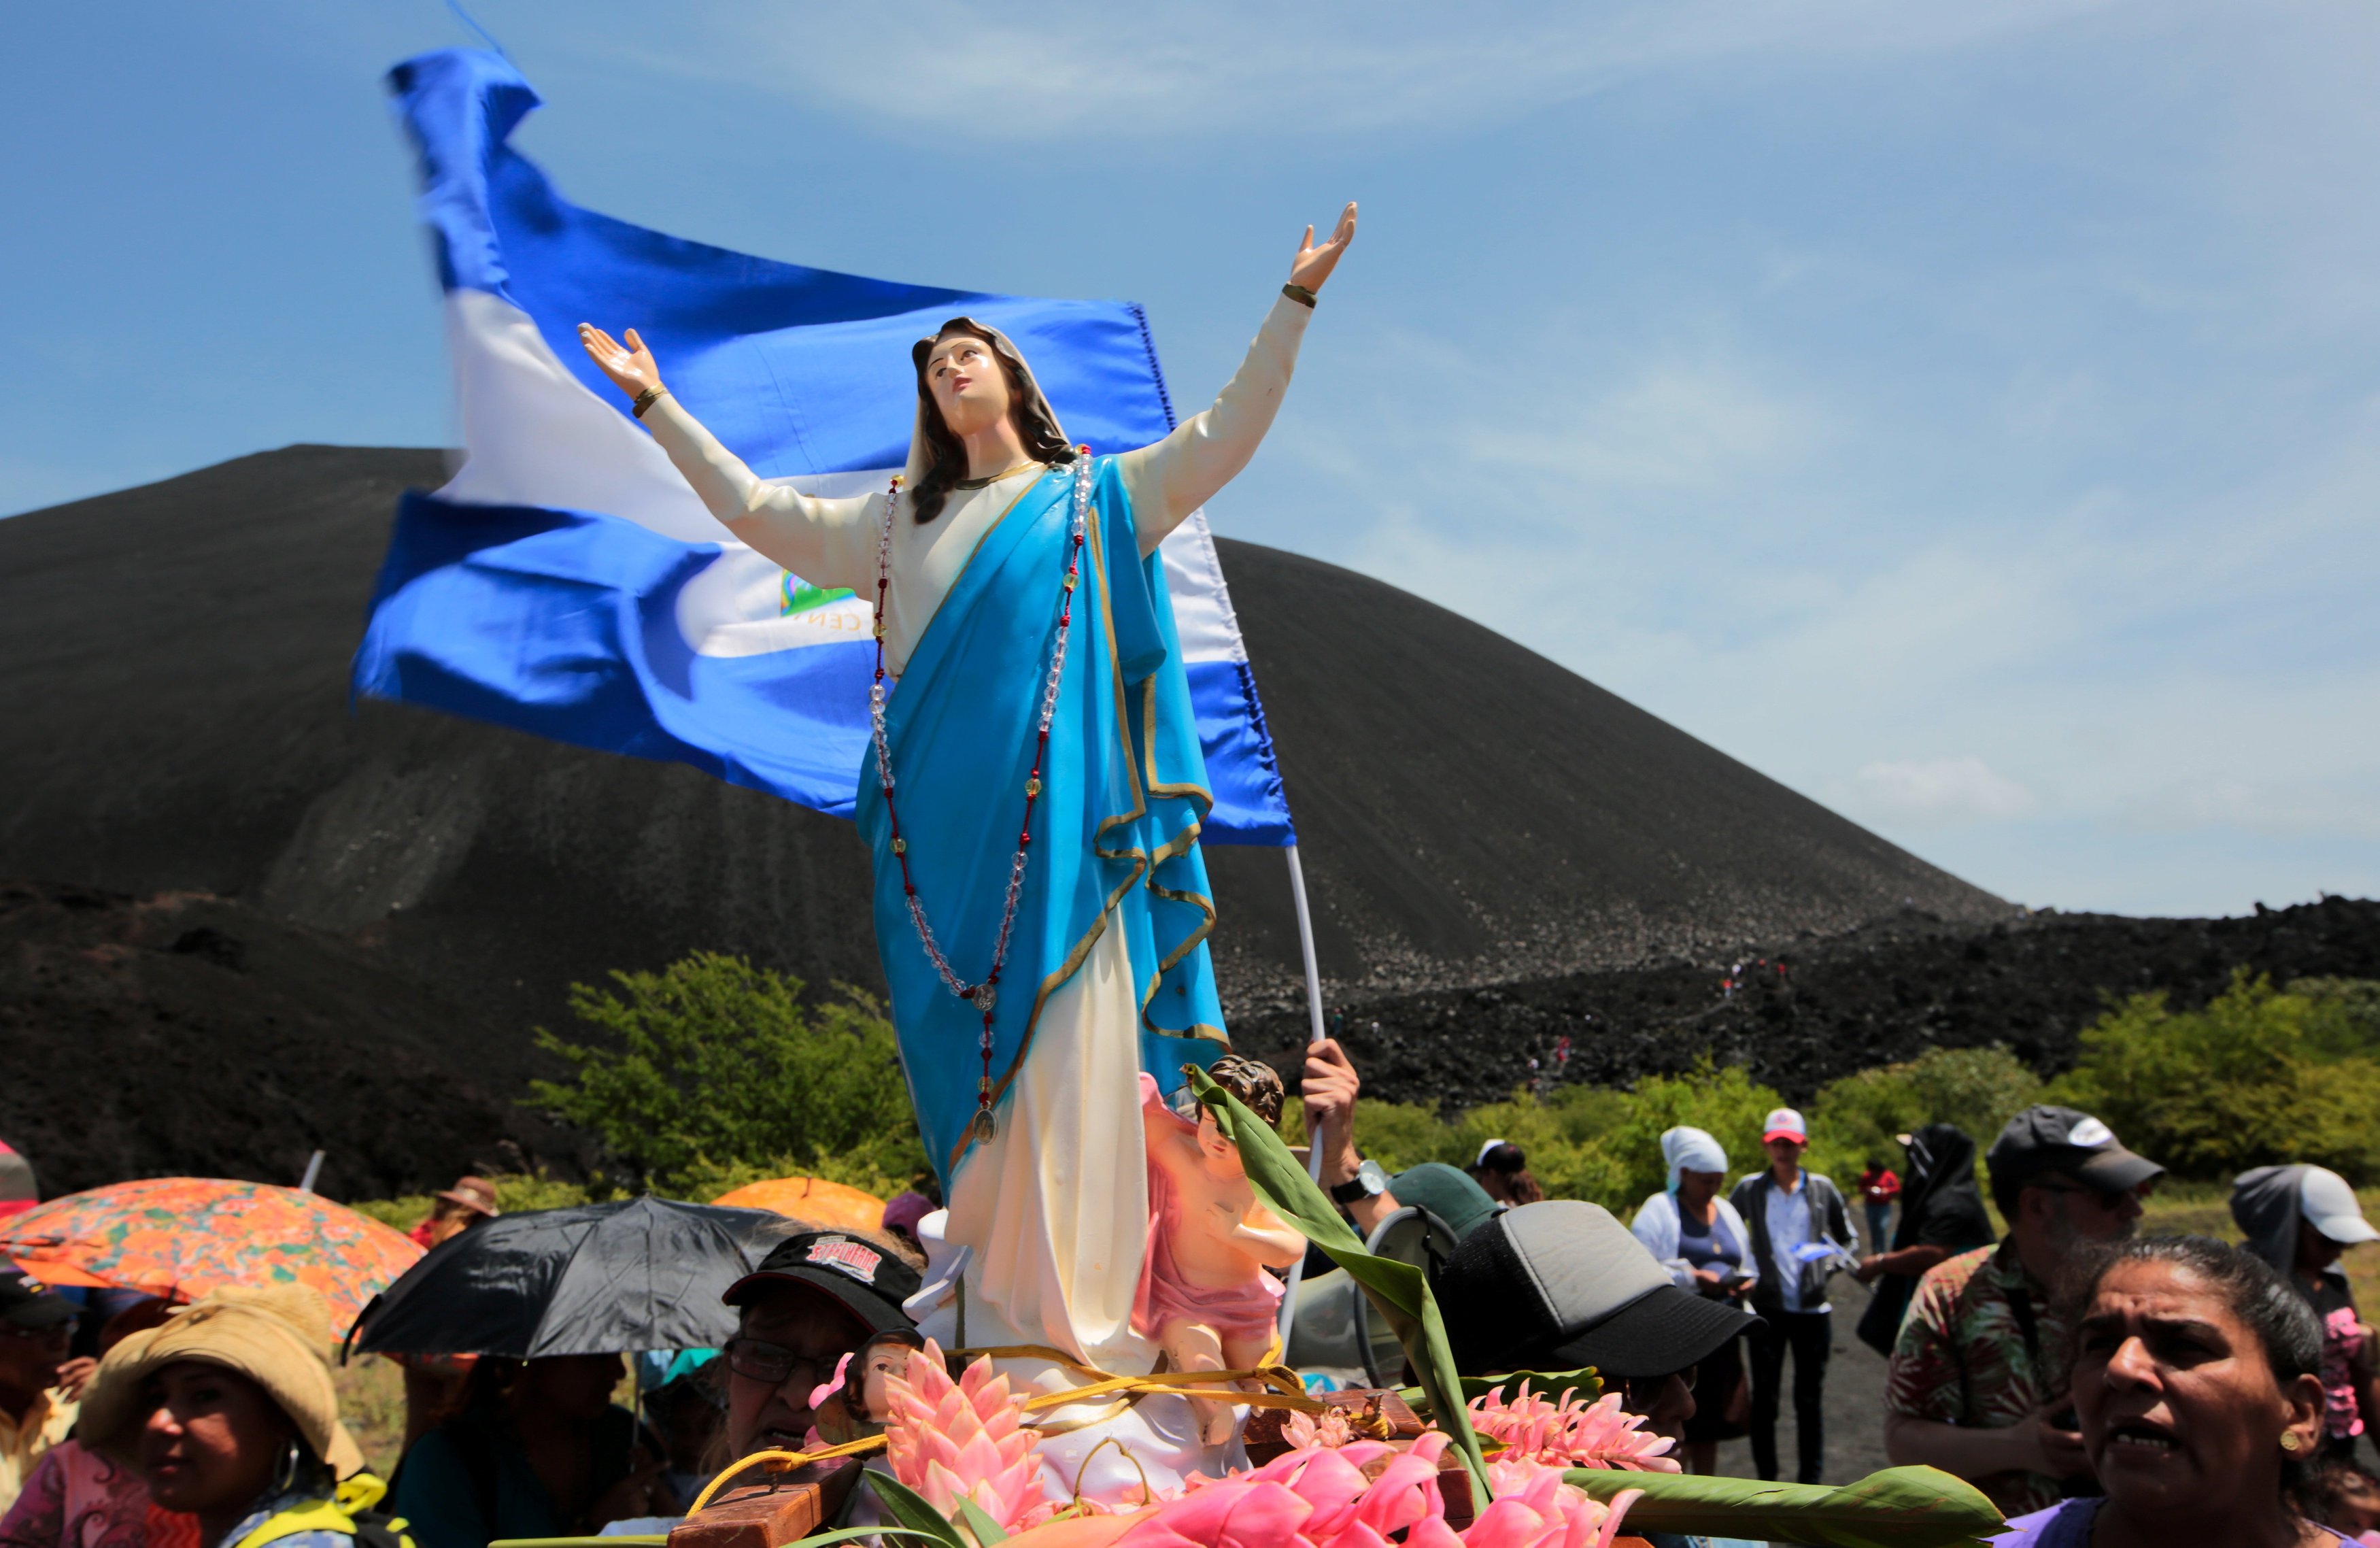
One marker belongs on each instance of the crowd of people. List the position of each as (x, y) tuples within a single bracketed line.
[(2098, 1386)]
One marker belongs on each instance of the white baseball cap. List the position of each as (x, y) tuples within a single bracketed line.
[(2328, 1205), (1784, 1124)]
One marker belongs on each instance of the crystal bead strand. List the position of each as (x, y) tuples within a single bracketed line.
[(983, 993)]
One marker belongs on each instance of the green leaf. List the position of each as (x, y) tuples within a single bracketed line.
[(1399, 1290), (986, 1530), (911, 1509), (819, 1539), (1899, 1507)]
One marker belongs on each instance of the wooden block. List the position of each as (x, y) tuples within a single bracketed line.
[(773, 1512)]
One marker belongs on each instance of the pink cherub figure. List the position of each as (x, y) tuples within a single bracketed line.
[(856, 1403), (1204, 1296)]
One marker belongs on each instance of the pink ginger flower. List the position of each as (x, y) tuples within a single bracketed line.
[(1534, 1508), (1304, 1431), (1353, 1496), (963, 1440), (1571, 1432), (1350, 1497)]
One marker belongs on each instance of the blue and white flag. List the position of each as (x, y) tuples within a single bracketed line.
[(566, 581)]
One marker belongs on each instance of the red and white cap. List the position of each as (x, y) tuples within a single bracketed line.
[(1785, 1124)]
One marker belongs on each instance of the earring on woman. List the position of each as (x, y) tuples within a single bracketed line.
[(2289, 1441), (285, 1477)]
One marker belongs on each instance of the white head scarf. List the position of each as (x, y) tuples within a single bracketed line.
[(1691, 1150)]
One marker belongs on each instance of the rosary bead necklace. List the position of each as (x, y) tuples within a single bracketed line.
[(981, 993)]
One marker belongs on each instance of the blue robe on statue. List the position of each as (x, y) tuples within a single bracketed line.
[(1114, 831)]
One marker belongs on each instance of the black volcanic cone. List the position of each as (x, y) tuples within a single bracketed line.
[(182, 755)]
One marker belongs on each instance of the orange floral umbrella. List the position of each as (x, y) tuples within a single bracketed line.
[(813, 1200), (183, 1237)]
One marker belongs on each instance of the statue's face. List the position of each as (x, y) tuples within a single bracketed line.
[(969, 384), (1222, 1155)]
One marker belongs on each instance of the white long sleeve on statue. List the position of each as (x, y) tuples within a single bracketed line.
[(1177, 475), (833, 542), (827, 542)]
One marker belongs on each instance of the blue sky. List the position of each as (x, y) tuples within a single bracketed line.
[(1968, 416)]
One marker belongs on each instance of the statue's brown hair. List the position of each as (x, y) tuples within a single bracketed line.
[(946, 460), (1256, 1083)]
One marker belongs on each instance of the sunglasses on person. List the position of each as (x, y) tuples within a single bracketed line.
[(772, 1364), (57, 1335)]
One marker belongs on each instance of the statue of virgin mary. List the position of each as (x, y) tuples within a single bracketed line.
[(1033, 804)]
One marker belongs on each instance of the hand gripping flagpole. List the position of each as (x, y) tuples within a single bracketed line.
[(1314, 1016)]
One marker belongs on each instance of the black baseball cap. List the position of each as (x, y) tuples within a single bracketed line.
[(28, 1306), (869, 1279), (1560, 1285), (2042, 1140)]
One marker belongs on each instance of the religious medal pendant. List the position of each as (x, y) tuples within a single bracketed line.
[(983, 1128)]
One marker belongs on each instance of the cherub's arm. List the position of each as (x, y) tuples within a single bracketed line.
[(1177, 475), (1264, 1237), (824, 541)]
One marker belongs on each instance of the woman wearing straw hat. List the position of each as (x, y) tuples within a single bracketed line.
[(228, 1411)]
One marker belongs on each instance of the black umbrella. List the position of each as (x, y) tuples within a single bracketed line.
[(596, 1279)]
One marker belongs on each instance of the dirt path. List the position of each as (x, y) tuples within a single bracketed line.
[(1855, 1403)]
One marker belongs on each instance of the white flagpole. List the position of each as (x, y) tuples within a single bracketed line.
[(1314, 1016)]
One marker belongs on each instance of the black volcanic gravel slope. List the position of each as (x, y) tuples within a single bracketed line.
[(184, 1033), (1470, 812), (1814, 1009), (174, 675), (173, 668), (172, 679)]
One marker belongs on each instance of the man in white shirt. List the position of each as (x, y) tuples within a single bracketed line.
[(1800, 1234)]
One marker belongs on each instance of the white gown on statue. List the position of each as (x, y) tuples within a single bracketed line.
[(1052, 1212)]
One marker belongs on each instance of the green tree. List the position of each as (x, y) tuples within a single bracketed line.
[(2253, 1078), (1726, 1103), (2351, 1023), (713, 1070), (1856, 1117)]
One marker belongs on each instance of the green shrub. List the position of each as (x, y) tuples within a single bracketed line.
[(1591, 1142), (1396, 1134), (1856, 1117), (2259, 1076), (2348, 1022), (1726, 1103), (714, 1068), (515, 1191), (402, 1213)]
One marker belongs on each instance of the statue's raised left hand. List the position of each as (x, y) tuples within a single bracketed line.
[(1312, 264), (631, 368)]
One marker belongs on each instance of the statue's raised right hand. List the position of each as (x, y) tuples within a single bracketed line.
[(631, 366)]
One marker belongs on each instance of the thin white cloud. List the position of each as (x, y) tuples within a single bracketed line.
[(1939, 792), (1239, 66), (2279, 807)]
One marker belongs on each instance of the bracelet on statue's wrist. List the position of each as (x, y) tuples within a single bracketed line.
[(1301, 295), (647, 398)]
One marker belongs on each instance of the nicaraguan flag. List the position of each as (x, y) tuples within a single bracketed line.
[(567, 582)]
